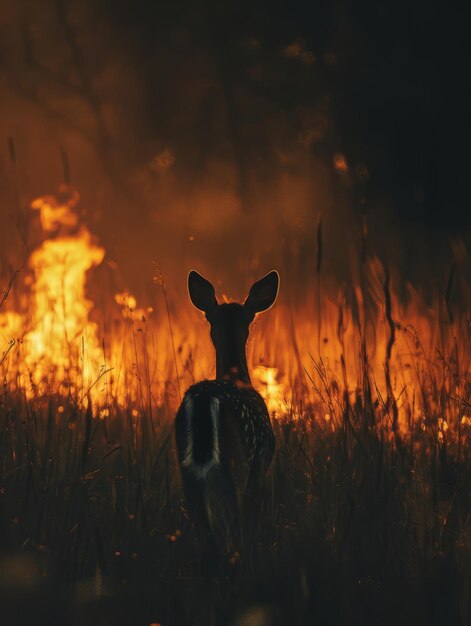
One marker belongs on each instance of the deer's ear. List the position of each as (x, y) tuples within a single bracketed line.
[(263, 293), (201, 292)]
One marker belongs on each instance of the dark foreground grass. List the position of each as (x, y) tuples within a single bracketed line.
[(355, 530)]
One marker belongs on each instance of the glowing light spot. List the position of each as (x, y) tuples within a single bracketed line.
[(104, 413), (163, 161), (340, 163), (293, 50), (126, 300), (265, 381)]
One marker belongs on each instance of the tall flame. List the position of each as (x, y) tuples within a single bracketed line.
[(60, 338)]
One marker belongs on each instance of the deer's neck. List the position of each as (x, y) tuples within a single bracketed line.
[(231, 363)]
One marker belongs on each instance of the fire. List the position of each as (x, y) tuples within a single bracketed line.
[(60, 339), (129, 309), (412, 359), (59, 307), (55, 214), (272, 391)]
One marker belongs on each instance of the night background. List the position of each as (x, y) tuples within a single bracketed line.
[(328, 140)]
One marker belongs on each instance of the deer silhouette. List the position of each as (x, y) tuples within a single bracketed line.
[(224, 437)]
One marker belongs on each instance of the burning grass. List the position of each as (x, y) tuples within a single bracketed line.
[(367, 512)]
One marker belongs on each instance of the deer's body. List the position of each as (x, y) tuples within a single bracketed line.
[(224, 437)]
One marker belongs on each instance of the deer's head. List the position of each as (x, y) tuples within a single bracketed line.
[(230, 322)]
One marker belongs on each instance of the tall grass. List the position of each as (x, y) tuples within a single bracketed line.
[(355, 529), (365, 520)]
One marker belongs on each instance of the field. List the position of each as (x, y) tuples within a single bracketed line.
[(357, 528), (367, 511)]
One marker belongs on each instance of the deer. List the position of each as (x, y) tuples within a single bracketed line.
[(225, 440)]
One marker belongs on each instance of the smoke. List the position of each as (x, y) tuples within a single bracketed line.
[(193, 140)]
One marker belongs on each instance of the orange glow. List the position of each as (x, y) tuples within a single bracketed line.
[(318, 362), (340, 163), (265, 379)]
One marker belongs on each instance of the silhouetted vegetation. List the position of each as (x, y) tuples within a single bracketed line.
[(354, 530)]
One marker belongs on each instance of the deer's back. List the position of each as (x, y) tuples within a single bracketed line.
[(221, 422)]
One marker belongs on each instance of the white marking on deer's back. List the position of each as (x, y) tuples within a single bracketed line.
[(214, 408), (200, 470), (188, 451)]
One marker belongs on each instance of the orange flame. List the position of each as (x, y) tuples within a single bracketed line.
[(60, 338), (409, 357)]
